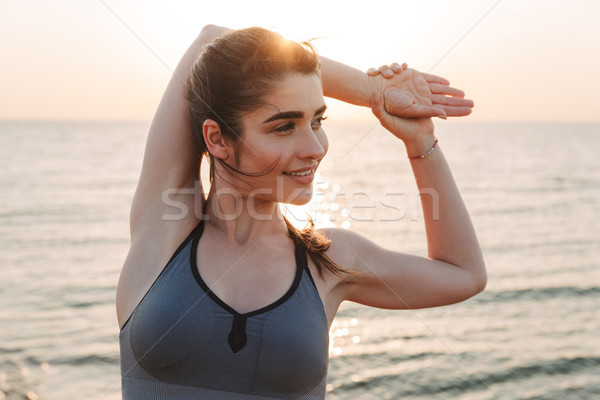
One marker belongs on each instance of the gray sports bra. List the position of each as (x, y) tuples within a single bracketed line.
[(183, 342)]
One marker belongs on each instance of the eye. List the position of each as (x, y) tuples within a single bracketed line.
[(319, 121), (285, 128)]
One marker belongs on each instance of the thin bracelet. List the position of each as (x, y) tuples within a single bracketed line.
[(426, 154)]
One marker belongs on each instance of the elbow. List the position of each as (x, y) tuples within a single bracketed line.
[(471, 286), (474, 281), (210, 32), (208, 28), (479, 280), (206, 33), (477, 273), (481, 284)]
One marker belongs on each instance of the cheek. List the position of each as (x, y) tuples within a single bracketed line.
[(264, 157)]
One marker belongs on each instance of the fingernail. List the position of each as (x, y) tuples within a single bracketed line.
[(389, 72), (442, 116), (371, 70)]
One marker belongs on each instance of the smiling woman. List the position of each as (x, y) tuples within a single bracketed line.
[(288, 144), (236, 303)]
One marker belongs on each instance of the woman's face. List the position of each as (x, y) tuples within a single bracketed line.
[(286, 139)]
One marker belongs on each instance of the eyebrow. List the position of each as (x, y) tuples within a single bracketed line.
[(292, 114)]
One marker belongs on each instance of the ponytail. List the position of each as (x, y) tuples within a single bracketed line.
[(316, 245)]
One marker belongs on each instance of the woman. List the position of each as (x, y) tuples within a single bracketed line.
[(210, 301)]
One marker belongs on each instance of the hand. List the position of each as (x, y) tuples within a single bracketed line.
[(409, 130), (411, 94)]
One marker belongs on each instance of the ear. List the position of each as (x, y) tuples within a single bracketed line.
[(214, 140)]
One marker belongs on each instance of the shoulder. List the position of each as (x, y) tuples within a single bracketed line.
[(341, 236), (348, 248)]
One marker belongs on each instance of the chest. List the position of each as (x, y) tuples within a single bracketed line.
[(181, 334), (245, 280), (249, 279)]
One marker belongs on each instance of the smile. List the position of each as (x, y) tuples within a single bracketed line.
[(301, 177), (308, 172)]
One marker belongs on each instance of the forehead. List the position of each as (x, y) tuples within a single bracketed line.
[(295, 92)]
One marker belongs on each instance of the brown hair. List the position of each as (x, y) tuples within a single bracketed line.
[(232, 76)]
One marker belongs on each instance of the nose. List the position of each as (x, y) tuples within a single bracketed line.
[(314, 144)]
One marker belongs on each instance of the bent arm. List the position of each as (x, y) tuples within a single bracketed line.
[(454, 269), (171, 157), (407, 93)]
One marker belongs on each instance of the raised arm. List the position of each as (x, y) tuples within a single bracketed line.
[(171, 159), (408, 95), (171, 164), (454, 269)]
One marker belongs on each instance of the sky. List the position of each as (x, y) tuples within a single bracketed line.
[(518, 60)]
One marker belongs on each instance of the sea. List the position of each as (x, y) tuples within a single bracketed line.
[(532, 189)]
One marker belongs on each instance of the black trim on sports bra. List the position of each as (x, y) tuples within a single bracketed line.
[(311, 278), (237, 336), (300, 265), (189, 237)]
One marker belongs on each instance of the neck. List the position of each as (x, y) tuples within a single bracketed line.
[(243, 219)]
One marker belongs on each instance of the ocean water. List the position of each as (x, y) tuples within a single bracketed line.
[(533, 191)]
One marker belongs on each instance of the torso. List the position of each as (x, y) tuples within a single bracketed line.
[(283, 309)]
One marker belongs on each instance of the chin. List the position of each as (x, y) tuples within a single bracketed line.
[(303, 198)]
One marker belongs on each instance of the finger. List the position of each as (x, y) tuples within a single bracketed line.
[(424, 111), (397, 68), (436, 88), (402, 104), (372, 72), (415, 110), (377, 106), (452, 111), (435, 79), (378, 110), (438, 99), (386, 71)]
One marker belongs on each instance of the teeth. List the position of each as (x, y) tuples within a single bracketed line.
[(300, 173)]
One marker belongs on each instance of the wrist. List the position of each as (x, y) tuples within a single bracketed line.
[(366, 90), (421, 146), (373, 85)]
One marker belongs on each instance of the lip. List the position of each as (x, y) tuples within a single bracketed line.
[(296, 171), (303, 179)]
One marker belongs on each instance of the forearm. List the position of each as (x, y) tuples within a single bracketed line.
[(340, 81), (450, 234), (345, 83)]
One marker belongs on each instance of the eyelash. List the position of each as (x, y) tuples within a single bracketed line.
[(288, 126), (321, 119), (291, 125)]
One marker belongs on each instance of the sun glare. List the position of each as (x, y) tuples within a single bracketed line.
[(115, 54)]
